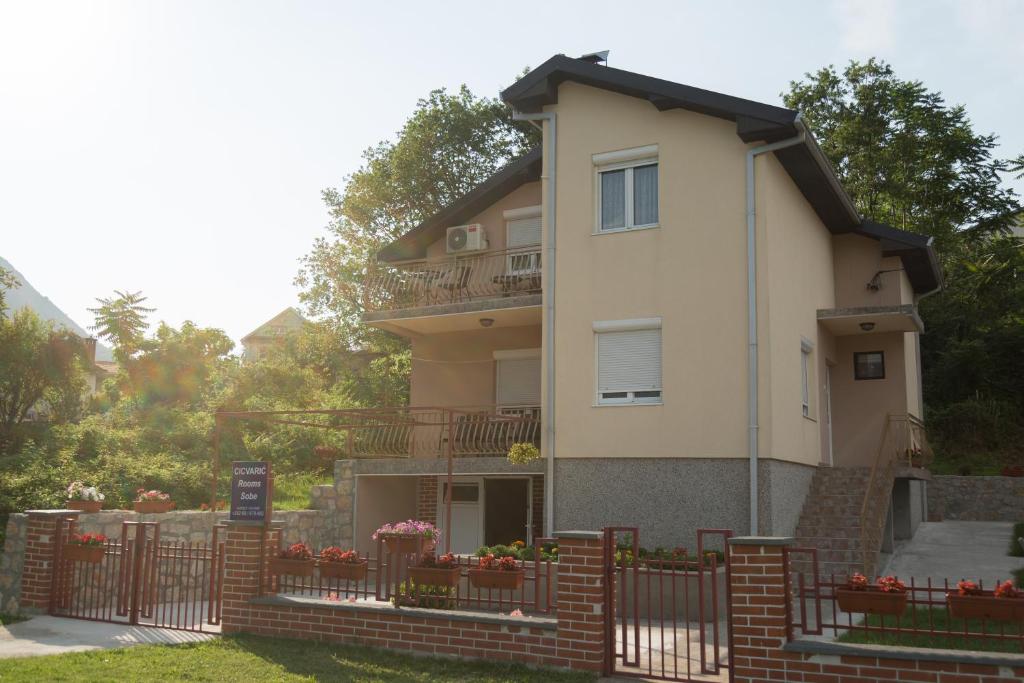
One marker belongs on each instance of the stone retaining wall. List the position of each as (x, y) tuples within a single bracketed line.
[(976, 499)]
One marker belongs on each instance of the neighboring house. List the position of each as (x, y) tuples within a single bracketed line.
[(597, 305), (272, 333)]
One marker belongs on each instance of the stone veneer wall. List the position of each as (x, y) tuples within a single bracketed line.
[(976, 499)]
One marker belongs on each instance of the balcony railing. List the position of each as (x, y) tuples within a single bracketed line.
[(486, 431), (487, 275)]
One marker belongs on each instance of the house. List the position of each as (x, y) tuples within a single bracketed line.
[(677, 301), (272, 333)]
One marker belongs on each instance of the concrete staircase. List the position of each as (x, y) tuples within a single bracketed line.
[(831, 522)]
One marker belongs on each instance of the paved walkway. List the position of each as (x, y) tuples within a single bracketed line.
[(956, 550), (46, 635)]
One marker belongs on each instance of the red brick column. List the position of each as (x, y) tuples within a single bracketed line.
[(426, 499), (242, 560), (37, 571), (580, 643)]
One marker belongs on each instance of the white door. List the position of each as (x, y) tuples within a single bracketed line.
[(828, 414), (467, 515)]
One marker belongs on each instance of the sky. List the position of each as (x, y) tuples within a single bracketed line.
[(180, 148)]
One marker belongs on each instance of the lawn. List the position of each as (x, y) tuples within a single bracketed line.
[(941, 622), (291, 490), (251, 659)]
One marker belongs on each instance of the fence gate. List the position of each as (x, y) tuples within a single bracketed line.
[(139, 579), (667, 614)]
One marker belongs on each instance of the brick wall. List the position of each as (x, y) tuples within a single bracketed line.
[(762, 652), (538, 505), (37, 568), (574, 639), (426, 499)]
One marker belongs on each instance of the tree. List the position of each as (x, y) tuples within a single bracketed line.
[(33, 358), (175, 366), (905, 157), (450, 144), (7, 281), (121, 320)]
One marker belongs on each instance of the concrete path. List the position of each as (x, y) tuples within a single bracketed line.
[(956, 550), (46, 635)]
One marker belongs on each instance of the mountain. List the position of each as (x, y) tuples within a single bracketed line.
[(29, 296)]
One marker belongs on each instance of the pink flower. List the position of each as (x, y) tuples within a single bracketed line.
[(516, 613)]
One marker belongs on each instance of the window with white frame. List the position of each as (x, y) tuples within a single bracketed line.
[(805, 375), (626, 189), (522, 239), (628, 361)]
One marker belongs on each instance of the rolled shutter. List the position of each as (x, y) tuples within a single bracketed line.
[(519, 382), (629, 360), (524, 232)]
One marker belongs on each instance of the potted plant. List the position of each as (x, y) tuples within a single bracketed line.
[(84, 498), (85, 548), (660, 558), (522, 453), (400, 537), (436, 571), (153, 501), (887, 596), (1005, 603), (336, 563), (497, 572), (295, 560)]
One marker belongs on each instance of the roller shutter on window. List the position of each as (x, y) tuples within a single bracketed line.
[(524, 232), (629, 361), (519, 382)]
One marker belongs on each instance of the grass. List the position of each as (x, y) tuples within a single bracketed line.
[(252, 659), (10, 619), (291, 490), (941, 622)]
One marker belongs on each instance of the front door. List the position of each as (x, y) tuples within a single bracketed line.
[(466, 536), (506, 511)]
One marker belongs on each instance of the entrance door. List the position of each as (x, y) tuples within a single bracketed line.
[(506, 511), (465, 515)]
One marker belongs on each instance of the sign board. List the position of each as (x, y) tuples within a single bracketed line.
[(250, 490)]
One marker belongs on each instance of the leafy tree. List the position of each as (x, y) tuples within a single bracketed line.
[(175, 366), (905, 156), (34, 358), (7, 281), (121, 320), (450, 144)]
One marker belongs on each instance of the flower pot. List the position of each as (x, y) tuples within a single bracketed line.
[(435, 576), (985, 606), (85, 505), (871, 601), (401, 545), (350, 571), (152, 506), (501, 579), (77, 552), (280, 565)]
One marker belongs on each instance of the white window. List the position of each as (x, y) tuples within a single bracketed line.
[(628, 361), (627, 189), (517, 378), (805, 375), (523, 234)]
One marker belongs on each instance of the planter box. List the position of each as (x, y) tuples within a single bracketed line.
[(672, 565), (279, 565), (434, 576), (153, 506), (350, 571), (871, 601), (398, 545), (497, 578), (76, 552), (85, 505), (985, 606)]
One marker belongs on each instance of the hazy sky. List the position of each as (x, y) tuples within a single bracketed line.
[(179, 148)]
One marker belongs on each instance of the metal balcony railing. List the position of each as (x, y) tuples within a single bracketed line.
[(454, 279)]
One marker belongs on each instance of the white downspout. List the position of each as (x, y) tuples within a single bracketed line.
[(548, 417), (752, 384)]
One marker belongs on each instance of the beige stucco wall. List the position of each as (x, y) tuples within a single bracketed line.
[(690, 272), (912, 366), (795, 279), (380, 500), (493, 220), (857, 260), (860, 407), (457, 369)]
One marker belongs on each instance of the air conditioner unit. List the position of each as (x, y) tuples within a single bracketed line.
[(466, 238)]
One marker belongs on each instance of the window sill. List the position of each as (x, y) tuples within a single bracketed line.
[(626, 405), (810, 418), (614, 231)]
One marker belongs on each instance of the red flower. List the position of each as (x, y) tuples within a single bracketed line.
[(506, 563), (296, 551), (858, 582), (335, 554), (967, 588), (1007, 590), (446, 561), (88, 539), (890, 584)]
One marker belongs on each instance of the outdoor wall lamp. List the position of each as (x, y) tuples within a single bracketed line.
[(867, 327), (486, 322)]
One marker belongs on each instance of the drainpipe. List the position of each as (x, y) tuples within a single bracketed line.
[(752, 384), (548, 416)]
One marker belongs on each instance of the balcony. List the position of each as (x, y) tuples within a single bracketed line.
[(461, 285), (484, 431)]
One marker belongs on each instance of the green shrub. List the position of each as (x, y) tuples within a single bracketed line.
[(1016, 547)]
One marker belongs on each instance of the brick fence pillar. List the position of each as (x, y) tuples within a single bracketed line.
[(37, 571), (581, 576), (245, 549), (758, 608)]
